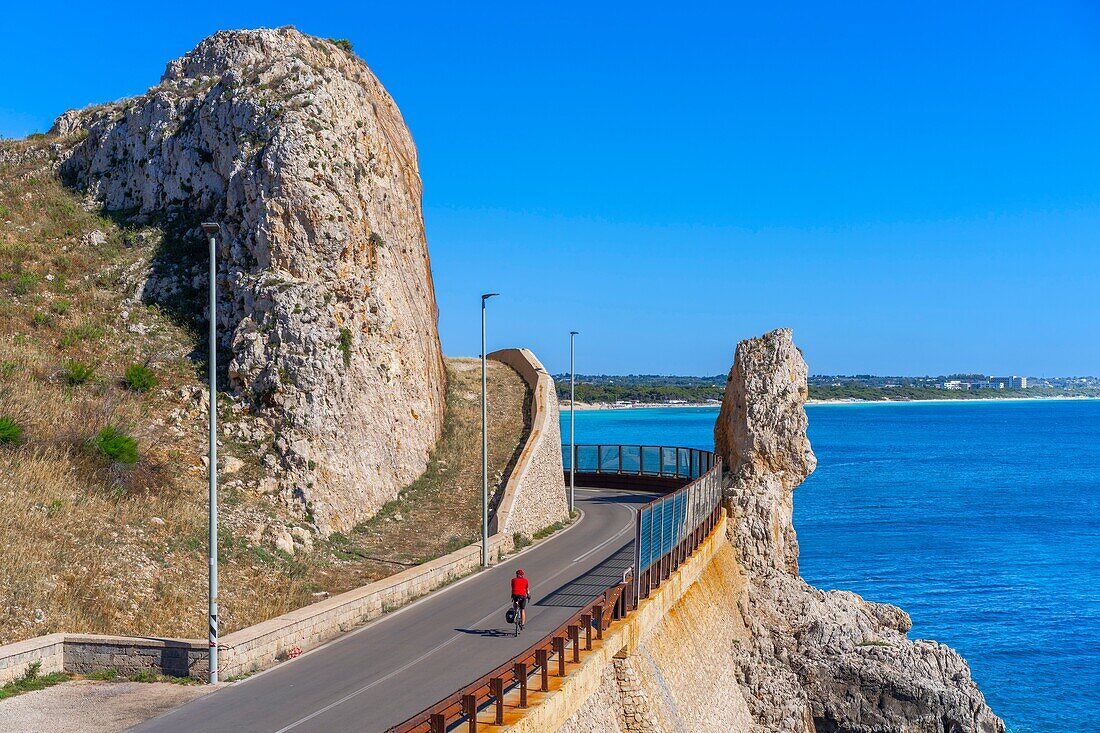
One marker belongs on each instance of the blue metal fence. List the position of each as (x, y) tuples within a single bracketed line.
[(668, 528)]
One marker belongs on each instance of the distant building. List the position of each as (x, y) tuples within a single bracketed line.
[(1012, 382), (956, 384)]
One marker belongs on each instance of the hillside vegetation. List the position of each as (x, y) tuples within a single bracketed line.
[(102, 438)]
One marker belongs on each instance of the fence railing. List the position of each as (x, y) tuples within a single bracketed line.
[(667, 530), (640, 460)]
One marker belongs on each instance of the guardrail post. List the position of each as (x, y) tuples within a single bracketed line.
[(469, 707), (599, 620), (521, 678), (586, 620), (437, 723), (575, 639), (542, 659), (496, 688), (559, 650)]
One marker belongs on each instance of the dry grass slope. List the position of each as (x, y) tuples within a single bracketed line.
[(93, 543)]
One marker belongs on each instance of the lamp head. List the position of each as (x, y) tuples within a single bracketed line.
[(486, 296), (210, 227)]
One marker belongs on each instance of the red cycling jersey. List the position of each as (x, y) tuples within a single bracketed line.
[(519, 587)]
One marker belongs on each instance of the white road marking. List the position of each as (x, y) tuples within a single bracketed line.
[(432, 651)]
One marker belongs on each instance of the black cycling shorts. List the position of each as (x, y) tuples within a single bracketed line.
[(522, 601)]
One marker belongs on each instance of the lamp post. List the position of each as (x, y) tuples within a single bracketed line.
[(484, 444), (572, 426), (211, 230)]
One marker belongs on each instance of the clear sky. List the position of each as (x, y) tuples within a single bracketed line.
[(914, 188)]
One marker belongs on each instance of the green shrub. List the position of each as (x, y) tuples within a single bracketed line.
[(41, 320), (10, 432), (342, 43), (25, 283), (60, 307), (77, 372), (4, 212), (520, 540), (83, 332), (139, 378), (116, 444), (345, 345)]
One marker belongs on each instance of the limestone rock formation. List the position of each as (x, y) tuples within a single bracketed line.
[(815, 660), (761, 435), (328, 310)]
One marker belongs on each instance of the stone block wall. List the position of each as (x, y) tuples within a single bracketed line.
[(665, 667), (534, 495), (15, 658)]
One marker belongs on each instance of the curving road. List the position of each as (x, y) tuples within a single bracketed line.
[(397, 665)]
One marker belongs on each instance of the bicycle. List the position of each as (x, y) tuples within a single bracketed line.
[(517, 616)]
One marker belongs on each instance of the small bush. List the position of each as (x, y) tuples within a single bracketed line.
[(10, 432), (139, 378), (41, 320), (4, 212), (342, 43), (105, 675), (116, 444), (520, 540), (83, 332), (60, 307), (25, 283), (345, 345), (77, 372)]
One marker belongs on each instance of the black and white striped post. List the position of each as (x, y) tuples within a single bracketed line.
[(211, 230)]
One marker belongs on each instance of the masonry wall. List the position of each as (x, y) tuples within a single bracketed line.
[(535, 495), (666, 667), (679, 678)]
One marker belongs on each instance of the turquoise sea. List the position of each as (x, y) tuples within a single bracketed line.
[(981, 519)]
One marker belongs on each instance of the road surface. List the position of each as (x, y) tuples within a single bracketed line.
[(395, 666)]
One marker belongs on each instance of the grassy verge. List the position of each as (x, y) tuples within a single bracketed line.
[(32, 680)]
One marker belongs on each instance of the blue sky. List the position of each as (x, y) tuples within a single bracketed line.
[(913, 189)]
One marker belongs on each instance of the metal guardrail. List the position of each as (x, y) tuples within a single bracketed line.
[(667, 530), (640, 460)]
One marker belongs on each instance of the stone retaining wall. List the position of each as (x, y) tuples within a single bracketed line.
[(251, 648), (534, 496), (607, 691)]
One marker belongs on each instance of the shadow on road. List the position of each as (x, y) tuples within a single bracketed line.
[(580, 591), (488, 633)]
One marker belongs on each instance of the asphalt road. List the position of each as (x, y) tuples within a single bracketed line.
[(397, 665)]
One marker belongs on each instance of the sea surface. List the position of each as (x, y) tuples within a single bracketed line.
[(981, 519)]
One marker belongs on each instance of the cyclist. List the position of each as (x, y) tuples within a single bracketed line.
[(520, 595)]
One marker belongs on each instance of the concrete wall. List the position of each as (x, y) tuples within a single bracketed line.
[(662, 669), (15, 658), (534, 496)]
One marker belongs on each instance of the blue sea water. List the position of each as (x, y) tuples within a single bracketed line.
[(981, 519)]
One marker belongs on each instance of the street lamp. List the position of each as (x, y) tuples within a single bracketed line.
[(484, 444), (572, 430), (211, 230)]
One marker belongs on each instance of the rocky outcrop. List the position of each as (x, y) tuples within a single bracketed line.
[(761, 436), (815, 660), (327, 307)]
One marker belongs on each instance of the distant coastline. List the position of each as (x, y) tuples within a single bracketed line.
[(584, 406)]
